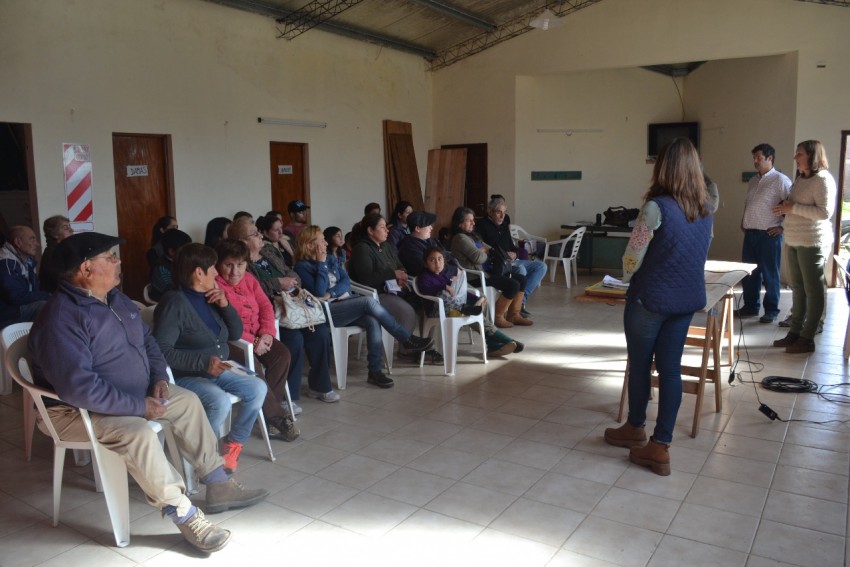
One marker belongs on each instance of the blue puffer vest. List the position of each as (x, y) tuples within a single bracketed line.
[(671, 278)]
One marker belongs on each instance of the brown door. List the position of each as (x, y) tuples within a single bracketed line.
[(476, 176), (289, 175), (144, 192)]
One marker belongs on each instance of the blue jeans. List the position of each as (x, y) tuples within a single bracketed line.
[(367, 312), (663, 336), (317, 345), (763, 250), (534, 271), (213, 390)]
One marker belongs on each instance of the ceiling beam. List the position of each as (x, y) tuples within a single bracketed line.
[(458, 14), (311, 15), (264, 9), (504, 32), (845, 3)]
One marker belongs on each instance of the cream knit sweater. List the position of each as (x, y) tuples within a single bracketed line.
[(808, 223)]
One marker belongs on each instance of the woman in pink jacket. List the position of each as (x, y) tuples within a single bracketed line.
[(246, 295)]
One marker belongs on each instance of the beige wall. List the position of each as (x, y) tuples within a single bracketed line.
[(80, 70), (623, 34)]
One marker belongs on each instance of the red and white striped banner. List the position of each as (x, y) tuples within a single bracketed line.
[(78, 186)]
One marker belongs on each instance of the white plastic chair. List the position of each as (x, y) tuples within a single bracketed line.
[(109, 468), (488, 291), (9, 334), (842, 269), (518, 233), (449, 328), (570, 262), (146, 293), (386, 337)]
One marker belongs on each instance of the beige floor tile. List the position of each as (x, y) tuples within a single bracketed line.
[(620, 505), (797, 546), (447, 462), (427, 430), (727, 495), (496, 548), (673, 549), (313, 496), (530, 453), (590, 466), (738, 469), (568, 492), (395, 450), (505, 424), (475, 441), (471, 503), (504, 476), (807, 482), (538, 521), (357, 471), (714, 527), (369, 514), (823, 460), (806, 512), (640, 479), (411, 486), (634, 546)]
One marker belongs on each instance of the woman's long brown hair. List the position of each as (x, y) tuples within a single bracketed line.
[(678, 173)]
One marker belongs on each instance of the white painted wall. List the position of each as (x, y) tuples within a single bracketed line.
[(623, 34), (80, 70)]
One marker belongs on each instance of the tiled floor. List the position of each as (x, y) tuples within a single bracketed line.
[(503, 464)]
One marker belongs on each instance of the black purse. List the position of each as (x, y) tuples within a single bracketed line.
[(502, 264)]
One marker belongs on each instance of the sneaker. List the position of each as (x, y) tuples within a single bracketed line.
[(203, 534), (282, 427), (230, 453), (519, 347), (786, 322), (295, 408), (801, 345), (223, 496), (506, 348), (329, 397), (767, 318), (417, 344), (380, 380), (787, 340), (745, 312)]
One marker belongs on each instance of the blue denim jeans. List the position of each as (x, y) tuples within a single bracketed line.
[(317, 345), (534, 272), (661, 336), (213, 390), (764, 250), (368, 313)]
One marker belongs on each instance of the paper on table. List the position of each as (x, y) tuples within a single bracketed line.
[(612, 282)]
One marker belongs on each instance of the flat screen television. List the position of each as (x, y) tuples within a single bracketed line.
[(660, 134)]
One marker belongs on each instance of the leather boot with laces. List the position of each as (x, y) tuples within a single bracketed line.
[(654, 455), (203, 534), (627, 435), (222, 496)]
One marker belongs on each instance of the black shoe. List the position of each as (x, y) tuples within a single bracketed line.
[(415, 344), (745, 312), (787, 341), (434, 356), (820, 328), (519, 346), (785, 322), (524, 312), (471, 310), (767, 318), (380, 380)]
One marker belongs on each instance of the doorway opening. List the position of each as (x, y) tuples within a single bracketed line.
[(18, 199)]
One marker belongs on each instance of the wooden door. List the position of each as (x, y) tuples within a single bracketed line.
[(476, 177), (289, 175), (144, 192)]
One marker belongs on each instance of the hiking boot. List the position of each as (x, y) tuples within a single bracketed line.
[(327, 397), (627, 435), (417, 344), (230, 453), (282, 427), (801, 345), (222, 496), (654, 455), (203, 534), (380, 380), (788, 340)]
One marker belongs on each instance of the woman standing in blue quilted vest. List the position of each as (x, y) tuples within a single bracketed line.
[(664, 263)]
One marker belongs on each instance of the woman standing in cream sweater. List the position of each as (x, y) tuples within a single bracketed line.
[(807, 230)]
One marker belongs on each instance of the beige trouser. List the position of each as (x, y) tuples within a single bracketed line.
[(141, 450)]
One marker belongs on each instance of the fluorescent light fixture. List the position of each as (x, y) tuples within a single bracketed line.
[(569, 131), (546, 20), (292, 122)]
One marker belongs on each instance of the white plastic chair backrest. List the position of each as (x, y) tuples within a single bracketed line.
[(147, 314), (441, 308), (578, 234), (146, 293), (12, 333)]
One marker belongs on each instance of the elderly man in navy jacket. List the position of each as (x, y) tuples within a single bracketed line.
[(89, 345), (20, 295)]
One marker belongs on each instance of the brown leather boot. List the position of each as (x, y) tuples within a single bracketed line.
[(502, 305), (654, 455), (514, 315), (627, 435)]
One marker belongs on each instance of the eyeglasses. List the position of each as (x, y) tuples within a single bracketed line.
[(112, 257)]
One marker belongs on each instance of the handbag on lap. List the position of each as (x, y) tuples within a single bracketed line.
[(301, 310)]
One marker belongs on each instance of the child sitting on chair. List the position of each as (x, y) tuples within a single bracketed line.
[(432, 281)]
